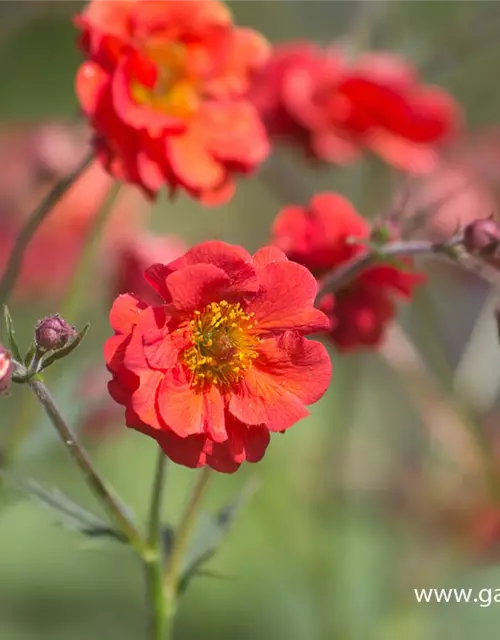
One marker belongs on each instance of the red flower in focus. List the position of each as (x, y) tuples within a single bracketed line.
[(134, 256), (337, 107), (320, 237), (224, 361), (164, 88)]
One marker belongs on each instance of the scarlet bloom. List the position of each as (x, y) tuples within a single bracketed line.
[(322, 237), (164, 88), (223, 362), (337, 108)]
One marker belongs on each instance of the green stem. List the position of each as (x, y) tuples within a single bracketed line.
[(71, 305), (181, 540), (103, 492), (155, 597), (13, 268)]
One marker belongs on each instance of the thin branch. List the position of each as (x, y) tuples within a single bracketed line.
[(103, 492), (340, 277)]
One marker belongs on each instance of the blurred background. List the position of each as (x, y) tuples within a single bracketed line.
[(382, 489)]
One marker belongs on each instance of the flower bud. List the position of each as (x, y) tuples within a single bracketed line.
[(5, 370), (53, 333), (482, 237)]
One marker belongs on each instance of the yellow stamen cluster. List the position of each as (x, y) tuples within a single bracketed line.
[(175, 92), (223, 345)]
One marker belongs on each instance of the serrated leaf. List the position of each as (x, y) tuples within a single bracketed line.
[(9, 325), (65, 351), (69, 513), (209, 533)]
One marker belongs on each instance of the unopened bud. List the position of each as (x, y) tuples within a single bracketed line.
[(5, 370), (53, 333), (482, 237)]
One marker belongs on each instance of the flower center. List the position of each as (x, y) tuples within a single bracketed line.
[(223, 347), (174, 92)]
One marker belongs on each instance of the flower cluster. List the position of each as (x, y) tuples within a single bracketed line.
[(164, 88), (337, 107), (223, 363), (324, 236)]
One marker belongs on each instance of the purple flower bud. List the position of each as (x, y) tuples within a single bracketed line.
[(53, 333), (482, 237), (5, 370)]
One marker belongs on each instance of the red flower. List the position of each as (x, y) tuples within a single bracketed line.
[(223, 362), (134, 255), (165, 91), (337, 108), (320, 237)]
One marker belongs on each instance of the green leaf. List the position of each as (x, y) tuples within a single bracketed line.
[(68, 513), (208, 535), (65, 351), (9, 325)]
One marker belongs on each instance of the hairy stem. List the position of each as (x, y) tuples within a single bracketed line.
[(13, 268), (103, 492), (340, 277), (181, 540)]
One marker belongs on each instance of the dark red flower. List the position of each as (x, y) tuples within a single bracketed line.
[(322, 237), (164, 89), (223, 362), (338, 107)]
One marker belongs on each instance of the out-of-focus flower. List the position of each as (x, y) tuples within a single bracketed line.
[(53, 332), (339, 107), (164, 89), (5, 370), (223, 363), (134, 255), (482, 238), (322, 237), (464, 187), (41, 158)]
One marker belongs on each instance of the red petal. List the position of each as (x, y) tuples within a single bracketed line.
[(90, 83), (267, 255), (260, 399), (302, 366), (187, 411), (285, 300), (156, 275), (192, 163), (186, 451), (143, 400), (195, 286), (235, 261), (125, 313)]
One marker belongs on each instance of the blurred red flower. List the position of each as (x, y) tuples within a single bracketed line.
[(337, 107), (320, 236), (224, 361), (164, 89), (34, 159), (134, 255)]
